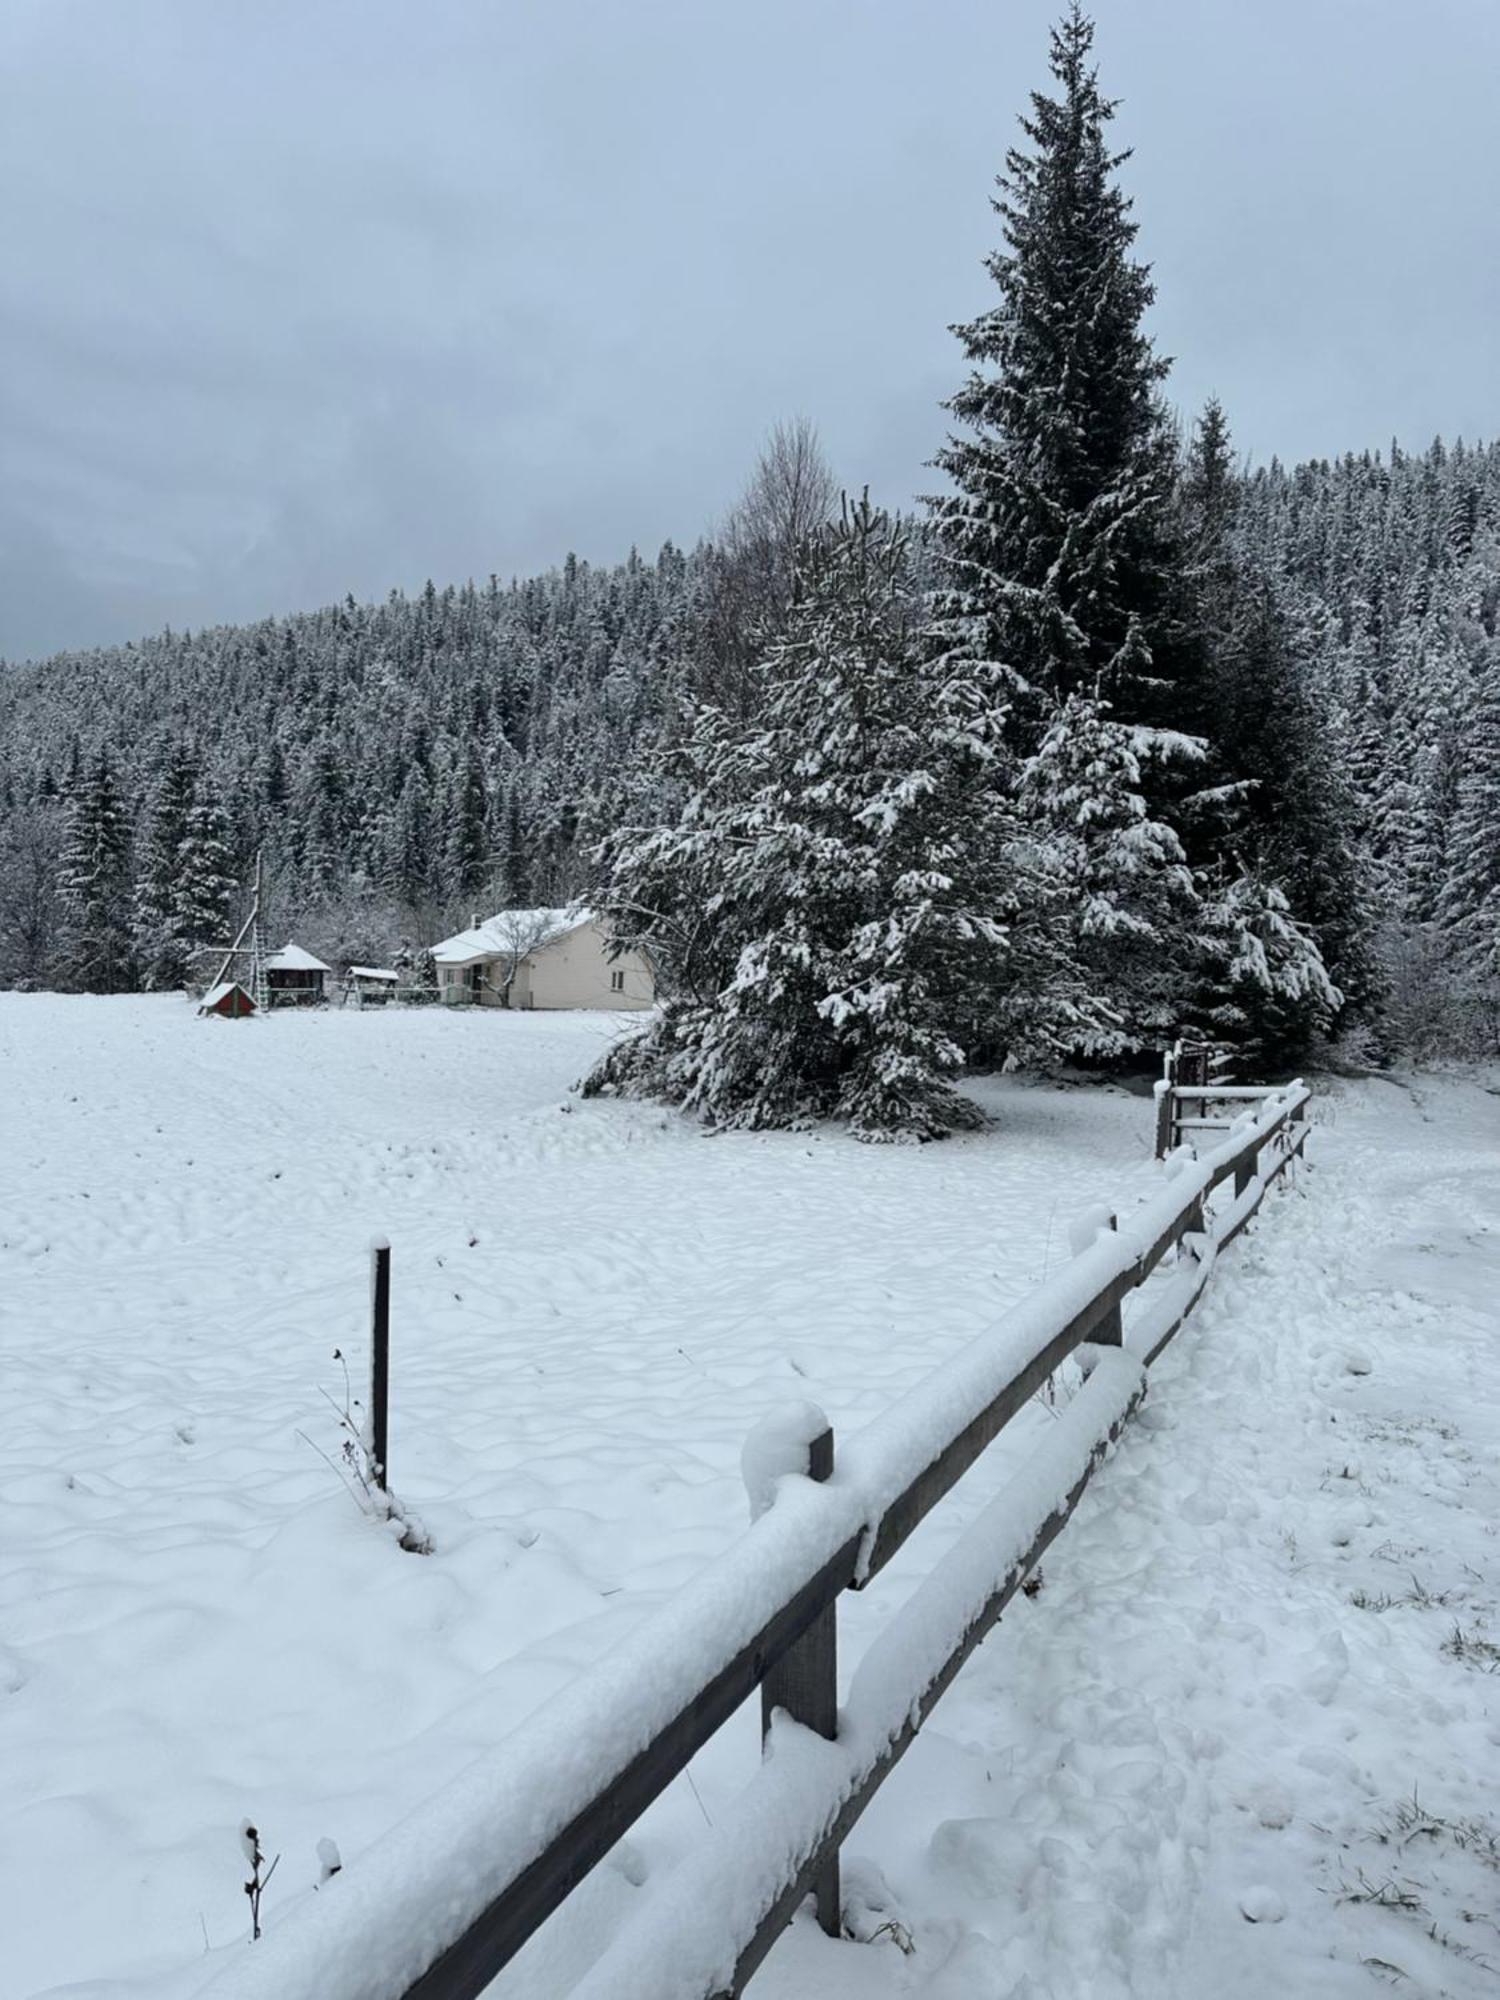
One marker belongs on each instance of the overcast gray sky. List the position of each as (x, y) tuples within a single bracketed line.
[(300, 297)]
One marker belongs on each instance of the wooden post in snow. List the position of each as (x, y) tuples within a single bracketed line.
[(380, 1358), (1165, 1109), (1296, 1136), (1110, 1332), (804, 1681)]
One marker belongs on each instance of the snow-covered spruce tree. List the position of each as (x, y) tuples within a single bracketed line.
[(158, 945), (30, 840), (407, 862), (94, 890), (1056, 544), (1272, 993), (206, 884), (466, 853), (1272, 807), (1123, 880), (1469, 914), (1061, 569), (830, 903)]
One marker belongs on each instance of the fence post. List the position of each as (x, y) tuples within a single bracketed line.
[(1298, 1117), (804, 1681), (1193, 1066), (380, 1357), (1110, 1332), (1165, 1111), (1245, 1172)]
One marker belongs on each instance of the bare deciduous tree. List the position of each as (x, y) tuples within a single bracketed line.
[(518, 933), (792, 493)]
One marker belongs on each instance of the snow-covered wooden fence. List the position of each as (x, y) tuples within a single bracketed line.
[(443, 1902), (1194, 1092)]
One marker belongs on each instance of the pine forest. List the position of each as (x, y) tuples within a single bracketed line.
[(1114, 738)]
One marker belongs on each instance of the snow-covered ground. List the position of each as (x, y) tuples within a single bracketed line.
[(1246, 1738), (1257, 1683)]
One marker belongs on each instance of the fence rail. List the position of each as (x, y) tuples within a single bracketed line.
[(436, 1910)]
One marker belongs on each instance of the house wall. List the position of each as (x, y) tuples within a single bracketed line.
[(575, 972)]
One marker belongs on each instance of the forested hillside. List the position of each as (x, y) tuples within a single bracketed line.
[(402, 761), (1114, 739), (1389, 569), (397, 762)]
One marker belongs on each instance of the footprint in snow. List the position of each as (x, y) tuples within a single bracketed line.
[(1272, 1806)]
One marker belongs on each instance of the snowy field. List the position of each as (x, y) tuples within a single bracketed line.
[(1245, 1738)]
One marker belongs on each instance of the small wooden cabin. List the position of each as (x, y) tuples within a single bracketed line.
[(294, 978), (228, 1000)]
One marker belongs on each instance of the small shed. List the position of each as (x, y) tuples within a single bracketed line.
[(228, 1000), (371, 985), (294, 978)]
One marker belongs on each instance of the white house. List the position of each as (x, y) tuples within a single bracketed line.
[(541, 958)]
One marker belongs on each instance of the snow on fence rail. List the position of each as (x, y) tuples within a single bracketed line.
[(447, 1898)]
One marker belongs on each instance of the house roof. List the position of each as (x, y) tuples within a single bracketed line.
[(509, 931), (373, 972), (292, 958), (220, 992)]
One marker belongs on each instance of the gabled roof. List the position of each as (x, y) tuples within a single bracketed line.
[(292, 958), (509, 931), (220, 992)]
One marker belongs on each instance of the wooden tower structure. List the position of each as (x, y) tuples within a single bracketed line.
[(244, 961)]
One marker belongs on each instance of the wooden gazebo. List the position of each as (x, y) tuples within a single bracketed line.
[(294, 978)]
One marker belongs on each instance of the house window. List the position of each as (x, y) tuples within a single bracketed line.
[(617, 982)]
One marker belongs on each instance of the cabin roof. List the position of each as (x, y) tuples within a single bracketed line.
[(292, 958)]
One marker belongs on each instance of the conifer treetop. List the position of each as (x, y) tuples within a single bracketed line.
[(1063, 467)]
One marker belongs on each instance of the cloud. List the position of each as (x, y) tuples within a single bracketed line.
[(336, 295)]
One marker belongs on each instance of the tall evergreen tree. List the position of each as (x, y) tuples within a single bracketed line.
[(411, 857), (158, 945), (95, 885), (1272, 826), (1055, 545), (1470, 909), (1208, 502), (1269, 993), (466, 854), (206, 883)]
